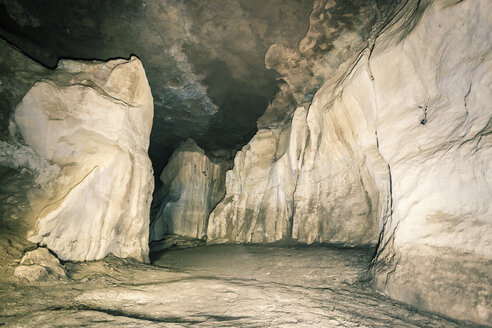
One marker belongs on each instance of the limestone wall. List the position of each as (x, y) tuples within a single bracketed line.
[(400, 145)]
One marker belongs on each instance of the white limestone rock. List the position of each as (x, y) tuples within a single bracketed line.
[(433, 92), (93, 121), (284, 186), (192, 186), (38, 265), (403, 145), (258, 203), (31, 273)]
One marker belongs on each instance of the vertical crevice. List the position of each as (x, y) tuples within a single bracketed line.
[(300, 155), (384, 256), (291, 219)]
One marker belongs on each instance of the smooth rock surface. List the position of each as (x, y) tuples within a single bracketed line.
[(216, 286), (93, 121), (436, 248), (192, 186)]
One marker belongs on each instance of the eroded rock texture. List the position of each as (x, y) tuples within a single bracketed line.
[(192, 186), (436, 248), (381, 127), (283, 187), (39, 264), (289, 180), (92, 120), (204, 59), (400, 142)]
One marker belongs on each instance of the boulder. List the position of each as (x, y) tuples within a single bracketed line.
[(31, 272), (38, 265), (92, 120)]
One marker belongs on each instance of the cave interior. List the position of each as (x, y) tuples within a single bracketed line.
[(246, 163)]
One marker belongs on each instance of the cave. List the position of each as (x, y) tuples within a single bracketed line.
[(246, 163)]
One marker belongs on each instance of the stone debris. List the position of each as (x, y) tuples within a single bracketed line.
[(39, 265)]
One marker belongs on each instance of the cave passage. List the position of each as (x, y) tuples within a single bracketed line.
[(218, 286), (245, 163)]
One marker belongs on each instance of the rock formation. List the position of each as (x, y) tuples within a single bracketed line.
[(92, 120), (295, 179), (281, 187), (401, 144), (204, 60), (436, 246), (192, 186), (39, 264), (380, 134)]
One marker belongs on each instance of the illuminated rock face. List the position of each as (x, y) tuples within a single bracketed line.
[(192, 186), (432, 94), (93, 120), (402, 145), (282, 187)]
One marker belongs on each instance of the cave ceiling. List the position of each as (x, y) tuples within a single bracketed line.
[(204, 59), (214, 66)]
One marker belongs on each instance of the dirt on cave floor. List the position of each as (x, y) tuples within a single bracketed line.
[(214, 286)]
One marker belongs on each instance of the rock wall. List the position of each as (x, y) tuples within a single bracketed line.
[(204, 59), (192, 186), (289, 180), (17, 75), (92, 120), (288, 183), (400, 144), (434, 122)]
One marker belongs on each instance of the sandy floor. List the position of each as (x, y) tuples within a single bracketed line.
[(214, 286)]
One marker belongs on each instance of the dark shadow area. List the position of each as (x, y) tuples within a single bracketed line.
[(210, 85)]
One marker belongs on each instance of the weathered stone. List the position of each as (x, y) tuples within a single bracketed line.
[(391, 136), (258, 203), (401, 144), (31, 273), (93, 120), (301, 182), (432, 93), (39, 264), (192, 186)]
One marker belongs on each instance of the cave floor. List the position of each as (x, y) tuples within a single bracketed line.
[(214, 286)]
